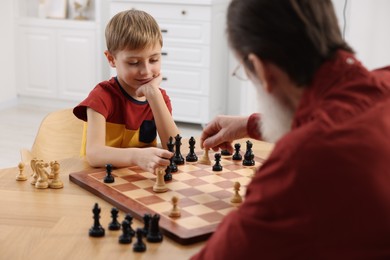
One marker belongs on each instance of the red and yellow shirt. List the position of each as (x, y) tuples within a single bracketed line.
[(129, 122)]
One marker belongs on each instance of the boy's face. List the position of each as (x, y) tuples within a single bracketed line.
[(136, 67)]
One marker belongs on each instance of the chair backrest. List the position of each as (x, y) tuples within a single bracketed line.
[(59, 137)]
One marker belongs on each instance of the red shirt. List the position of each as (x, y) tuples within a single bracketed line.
[(324, 192)]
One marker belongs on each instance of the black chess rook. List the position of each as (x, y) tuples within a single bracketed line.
[(154, 235)]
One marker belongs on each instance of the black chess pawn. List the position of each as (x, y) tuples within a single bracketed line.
[(139, 245), (225, 152), (191, 156), (109, 178), (248, 156), (217, 167), (237, 156), (129, 218), (154, 235), (96, 230), (178, 158), (125, 237), (114, 224), (146, 218), (172, 164)]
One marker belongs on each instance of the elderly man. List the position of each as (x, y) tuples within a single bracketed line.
[(324, 192)]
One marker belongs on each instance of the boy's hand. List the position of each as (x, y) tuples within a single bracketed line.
[(150, 88), (149, 159)]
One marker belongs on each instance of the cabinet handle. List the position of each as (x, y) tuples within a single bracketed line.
[(183, 12), (165, 79), (164, 30), (164, 53)]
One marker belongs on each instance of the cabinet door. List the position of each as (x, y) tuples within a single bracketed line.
[(77, 63), (36, 62)]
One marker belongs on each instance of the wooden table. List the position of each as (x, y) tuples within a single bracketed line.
[(54, 224)]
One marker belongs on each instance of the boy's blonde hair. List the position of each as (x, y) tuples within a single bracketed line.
[(132, 30)]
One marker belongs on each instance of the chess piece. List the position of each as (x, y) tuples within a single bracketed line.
[(172, 164), (139, 245), (205, 158), (56, 183), (42, 181), (217, 167), (96, 230), (225, 152), (125, 237), (191, 156), (236, 197), (248, 156), (178, 158), (51, 174), (109, 178), (34, 174), (154, 235), (146, 218), (114, 224), (237, 156), (160, 186), (21, 176), (175, 212), (168, 174), (129, 218)]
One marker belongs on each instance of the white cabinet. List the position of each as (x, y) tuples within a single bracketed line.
[(194, 54), (60, 59)]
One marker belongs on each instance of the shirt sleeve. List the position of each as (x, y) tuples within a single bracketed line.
[(252, 126), (98, 99)]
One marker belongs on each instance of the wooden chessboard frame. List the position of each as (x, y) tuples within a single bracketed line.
[(126, 204)]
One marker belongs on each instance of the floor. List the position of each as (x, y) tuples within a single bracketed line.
[(19, 125)]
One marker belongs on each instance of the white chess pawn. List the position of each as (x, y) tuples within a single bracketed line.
[(56, 183), (21, 176), (236, 197), (175, 212), (160, 186), (205, 158)]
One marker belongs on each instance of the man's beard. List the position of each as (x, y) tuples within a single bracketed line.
[(276, 116)]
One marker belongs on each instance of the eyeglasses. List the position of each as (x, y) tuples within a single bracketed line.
[(240, 73)]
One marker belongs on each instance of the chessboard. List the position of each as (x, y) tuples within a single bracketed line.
[(204, 195)]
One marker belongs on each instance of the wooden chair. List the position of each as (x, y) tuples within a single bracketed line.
[(59, 137)]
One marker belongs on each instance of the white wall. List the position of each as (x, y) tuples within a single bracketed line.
[(367, 31), (7, 64)]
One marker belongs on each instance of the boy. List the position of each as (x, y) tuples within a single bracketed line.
[(124, 113)]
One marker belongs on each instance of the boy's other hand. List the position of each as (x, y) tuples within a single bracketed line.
[(149, 159)]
